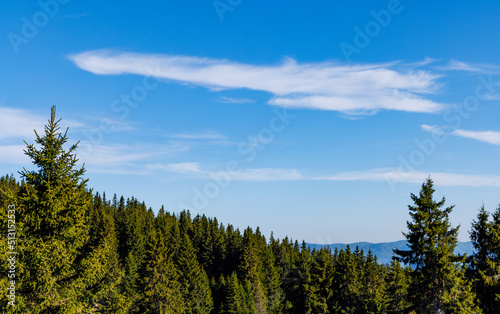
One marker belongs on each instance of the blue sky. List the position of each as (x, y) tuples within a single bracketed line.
[(312, 120)]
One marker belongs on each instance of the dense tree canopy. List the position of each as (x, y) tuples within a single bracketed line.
[(80, 252)]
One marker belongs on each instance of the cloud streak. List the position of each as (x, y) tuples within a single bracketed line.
[(489, 137), (440, 178), (352, 89), (207, 135)]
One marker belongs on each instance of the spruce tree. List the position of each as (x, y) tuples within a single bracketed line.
[(272, 283), (54, 209), (346, 283), (11, 301), (373, 285), (437, 283), (397, 288), (195, 286), (319, 284), (159, 287), (493, 276), (235, 298), (485, 262), (106, 293)]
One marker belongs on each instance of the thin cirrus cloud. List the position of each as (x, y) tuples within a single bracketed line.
[(351, 89), (489, 137), (207, 135), (476, 68), (181, 167), (251, 174), (231, 100), (124, 159), (389, 175), (13, 154), (19, 123), (440, 178), (15, 123)]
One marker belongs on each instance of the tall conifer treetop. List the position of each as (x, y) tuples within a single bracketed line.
[(438, 283), (54, 209), (60, 196)]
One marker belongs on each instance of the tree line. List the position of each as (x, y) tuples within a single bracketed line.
[(78, 251)]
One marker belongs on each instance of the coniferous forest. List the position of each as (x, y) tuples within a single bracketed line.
[(69, 249)]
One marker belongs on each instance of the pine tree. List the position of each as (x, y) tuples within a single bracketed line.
[(438, 276), (195, 285), (236, 299), (272, 283), (54, 210), (493, 276), (397, 288), (346, 283), (485, 262), (159, 286), (106, 293), (11, 301), (251, 269), (373, 285), (319, 284)]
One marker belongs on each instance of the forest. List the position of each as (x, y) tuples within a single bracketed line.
[(69, 249)]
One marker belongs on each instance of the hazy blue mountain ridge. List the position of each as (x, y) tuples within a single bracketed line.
[(383, 251)]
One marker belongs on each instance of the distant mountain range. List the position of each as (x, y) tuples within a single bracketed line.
[(383, 251)]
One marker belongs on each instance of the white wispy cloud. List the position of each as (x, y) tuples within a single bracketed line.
[(389, 175), (18, 123), (326, 86), (490, 137), (182, 167), (124, 158), (440, 178), (250, 174), (207, 135), (476, 68), (230, 100), (268, 174), (14, 154), (434, 129)]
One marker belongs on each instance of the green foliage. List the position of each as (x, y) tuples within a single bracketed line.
[(194, 281), (80, 253), (58, 265), (159, 286), (485, 262), (397, 282), (437, 278)]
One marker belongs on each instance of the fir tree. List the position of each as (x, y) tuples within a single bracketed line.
[(346, 283), (319, 284), (159, 284), (106, 293), (485, 262), (195, 285), (438, 276), (397, 283), (373, 285), (236, 299), (272, 283), (54, 210)]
